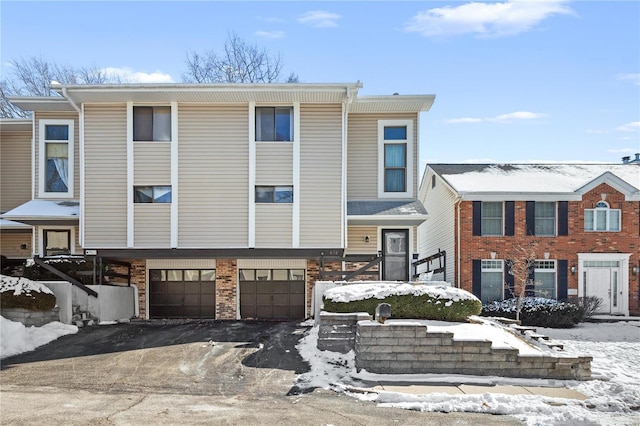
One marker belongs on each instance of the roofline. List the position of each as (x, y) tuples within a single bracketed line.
[(199, 87), (16, 124)]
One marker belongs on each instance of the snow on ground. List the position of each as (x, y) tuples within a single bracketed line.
[(613, 396), (15, 338)]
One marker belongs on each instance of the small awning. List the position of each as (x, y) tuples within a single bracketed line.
[(386, 213), (9, 225), (45, 212)]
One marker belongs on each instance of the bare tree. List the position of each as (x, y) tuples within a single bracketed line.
[(33, 76), (240, 62), (523, 256)]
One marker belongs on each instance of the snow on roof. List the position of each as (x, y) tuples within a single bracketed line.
[(21, 285), (381, 289), (43, 209), (543, 178), (9, 224)]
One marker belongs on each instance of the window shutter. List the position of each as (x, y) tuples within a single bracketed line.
[(563, 283), (563, 218), (531, 218), (509, 218), (477, 218), (509, 281), (529, 289), (476, 278)]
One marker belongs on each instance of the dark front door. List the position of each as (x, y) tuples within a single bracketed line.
[(395, 254)]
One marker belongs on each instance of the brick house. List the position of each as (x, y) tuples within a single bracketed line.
[(585, 218)]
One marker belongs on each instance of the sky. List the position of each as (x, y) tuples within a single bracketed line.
[(515, 81)]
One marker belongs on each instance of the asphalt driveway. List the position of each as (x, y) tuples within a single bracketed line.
[(184, 372)]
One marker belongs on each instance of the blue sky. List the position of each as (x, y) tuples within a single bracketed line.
[(515, 81)]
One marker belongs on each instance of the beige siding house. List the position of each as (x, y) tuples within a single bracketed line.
[(227, 201)]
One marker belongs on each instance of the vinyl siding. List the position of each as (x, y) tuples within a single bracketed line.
[(105, 176), (213, 176), (15, 169), (152, 163), (273, 225), (362, 154), (152, 225), (438, 232), (320, 175), (356, 243), (10, 243), (76, 146), (274, 163)]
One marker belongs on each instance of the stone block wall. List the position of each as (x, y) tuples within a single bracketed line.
[(337, 332), (31, 318), (411, 349)]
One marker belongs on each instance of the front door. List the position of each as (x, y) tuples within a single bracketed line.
[(604, 283), (395, 254)]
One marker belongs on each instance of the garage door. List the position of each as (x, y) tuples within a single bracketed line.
[(272, 293), (182, 293)]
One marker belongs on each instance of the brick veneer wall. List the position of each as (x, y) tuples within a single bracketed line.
[(560, 247), (226, 283), (412, 349)]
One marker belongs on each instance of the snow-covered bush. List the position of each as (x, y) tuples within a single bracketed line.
[(537, 311), (23, 293), (78, 268), (436, 301)]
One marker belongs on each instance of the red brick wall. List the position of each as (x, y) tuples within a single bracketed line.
[(560, 247), (226, 283)]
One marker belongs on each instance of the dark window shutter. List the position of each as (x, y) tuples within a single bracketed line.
[(563, 218), (530, 286), (509, 281), (563, 282), (509, 218), (531, 218), (476, 278), (477, 218)]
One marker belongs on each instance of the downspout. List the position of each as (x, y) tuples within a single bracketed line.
[(345, 123), (458, 256), (80, 112)]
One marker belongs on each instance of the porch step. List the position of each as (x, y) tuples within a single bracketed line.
[(82, 318)]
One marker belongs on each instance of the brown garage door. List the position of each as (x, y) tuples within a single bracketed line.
[(182, 293), (272, 293)]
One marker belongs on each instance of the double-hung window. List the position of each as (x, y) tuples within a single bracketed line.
[(492, 218), (395, 138), (274, 194), (274, 124), (544, 277), (602, 218), (545, 218), (492, 281), (151, 123), (56, 158)]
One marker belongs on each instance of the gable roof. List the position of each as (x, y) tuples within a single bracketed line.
[(537, 181)]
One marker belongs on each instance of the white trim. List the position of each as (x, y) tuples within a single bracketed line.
[(343, 187), (295, 224), (623, 258), (72, 237), (174, 174), (271, 264), (519, 196), (411, 244), (43, 156), (33, 158), (252, 176), (181, 264), (130, 180), (409, 160), (82, 174)]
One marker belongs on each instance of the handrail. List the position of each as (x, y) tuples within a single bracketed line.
[(40, 262)]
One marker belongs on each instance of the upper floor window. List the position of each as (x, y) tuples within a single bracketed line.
[(545, 218), (274, 194), (151, 194), (395, 153), (56, 153), (491, 218), (274, 124), (602, 218), (151, 123)]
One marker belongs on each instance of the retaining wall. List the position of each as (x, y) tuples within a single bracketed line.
[(337, 332), (31, 318)]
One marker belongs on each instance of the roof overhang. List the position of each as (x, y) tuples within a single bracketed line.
[(392, 103), (10, 225), (520, 196), (15, 125), (41, 103), (210, 93), (45, 212), (387, 220)]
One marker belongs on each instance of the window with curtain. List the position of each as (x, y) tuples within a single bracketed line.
[(274, 124), (602, 218), (274, 194), (545, 218), (151, 123), (395, 167), (492, 218), (492, 281), (56, 141), (57, 242), (151, 194)]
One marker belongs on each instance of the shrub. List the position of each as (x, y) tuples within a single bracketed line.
[(590, 306), (26, 294), (537, 311), (80, 269), (449, 305)]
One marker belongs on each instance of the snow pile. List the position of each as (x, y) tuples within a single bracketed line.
[(20, 285), (16, 338), (380, 289)]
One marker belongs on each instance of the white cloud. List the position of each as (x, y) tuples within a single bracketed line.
[(319, 19), (622, 150), (128, 75), (503, 118), (270, 34), (632, 77), (629, 127), (485, 19)]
